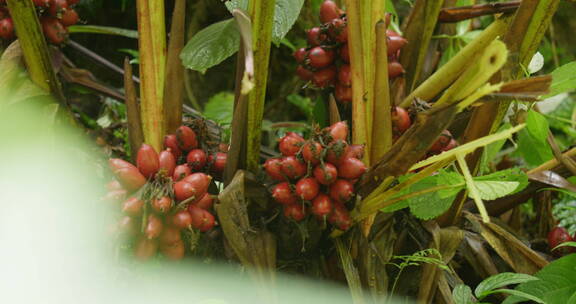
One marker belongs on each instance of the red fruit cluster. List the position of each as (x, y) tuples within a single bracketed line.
[(401, 122), (161, 196), (55, 17), (326, 60), (317, 176), (560, 235)]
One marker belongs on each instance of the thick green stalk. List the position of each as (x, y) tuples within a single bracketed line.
[(262, 15), (382, 116), (152, 46), (35, 48)]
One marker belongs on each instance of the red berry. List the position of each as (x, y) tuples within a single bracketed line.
[(147, 161), (128, 226), (292, 167), (394, 44), (133, 206), (273, 167), (400, 120), (343, 93), (315, 36), (295, 212), (186, 138), (340, 217), (345, 53), (339, 131), (218, 162), (345, 75), (300, 55), (355, 151), (42, 3), (307, 188), (395, 69), (53, 30), (322, 205), (173, 251), (180, 172), (73, 2), (6, 28), (57, 7), (201, 219), (336, 151), (161, 205), (442, 141), (391, 33), (329, 11), (451, 145), (290, 144), (341, 190), (153, 227), (196, 159), (170, 235), (326, 174), (128, 175), (167, 162), (283, 194), (181, 219), (205, 202), (557, 236), (351, 168), (324, 77), (145, 249), (199, 181), (320, 58), (312, 152), (338, 30), (171, 142), (69, 17), (304, 73)]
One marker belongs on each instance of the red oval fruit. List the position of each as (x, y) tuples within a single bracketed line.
[(338, 30), (201, 219), (115, 196), (273, 167), (341, 190), (295, 212), (57, 7), (340, 217), (171, 142), (345, 53), (173, 251), (128, 175), (145, 249), (400, 120), (395, 69), (3, 11), (53, 30), (184, 190), (324, 77), (283, 194), (300, 55), (345, 75), (391, 33), (181, 219), (69, 17), (186, 138), (147, 161), (320, 58), (200, 181), (170, 235), (312, 152), (442, 141), (161, 205), (557, 236), (304, 73), (153, 227), (167, 162), (329, 11), (42, 3), (322, 205), (339, 131), (6, 28), (343, 94), (336, 151), (133, 206), (351, 168), (180, 172), (205, 202), (395, 43), (307, 188), (292, 167), (315, 36), (451, 145), (326, 174), (196, 159), (355, 151), (290, 144), (218, 163)]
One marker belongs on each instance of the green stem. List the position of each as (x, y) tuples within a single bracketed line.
[(262, 15), (472, 188)]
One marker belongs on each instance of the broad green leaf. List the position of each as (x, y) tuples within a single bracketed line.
[(303, 103), (462, 294), (519, 294), (285, 15), (234, 4), (449, 178), (211, 46), (106, 30), (491, 190), (500, 280), (492, 149), (563, 79), (220, 108), (557, 284), (508, 175), (537, 125), (532, 144), (429, 205)]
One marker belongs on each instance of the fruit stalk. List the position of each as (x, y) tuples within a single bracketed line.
[(152, 47), (132, 110)]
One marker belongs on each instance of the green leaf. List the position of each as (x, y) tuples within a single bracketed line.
[(106, 30), (211, 46), (532, 144), (285, 15), (537, 125), (429, 205), (563, 79), (320, 112), (449, 178), (491, 190), (462, 294), (557, 284), (234, 4), (508, 175), (303, 103), (220, 108), (565, 244), (492, 149), (500, 280), (519, 294)]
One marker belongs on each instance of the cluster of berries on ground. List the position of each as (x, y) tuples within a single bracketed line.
[(325, 62), (166, 193), (55, 18)]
